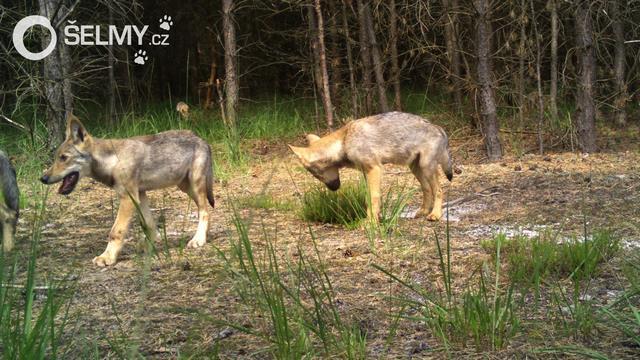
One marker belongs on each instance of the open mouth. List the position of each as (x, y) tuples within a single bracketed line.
[(69, 183)]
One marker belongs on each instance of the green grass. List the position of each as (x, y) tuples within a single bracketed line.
[(31, 328), (348, 206), (483, 314), (532, 260), (293, 298), (265, 202)]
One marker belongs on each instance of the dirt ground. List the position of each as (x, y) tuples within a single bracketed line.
[(173, 308)]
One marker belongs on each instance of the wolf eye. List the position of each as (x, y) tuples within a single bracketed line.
[(63, 157)]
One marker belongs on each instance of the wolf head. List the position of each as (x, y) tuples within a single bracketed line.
[(72, 159), (318, 159)]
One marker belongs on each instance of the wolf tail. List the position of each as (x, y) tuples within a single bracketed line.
[(448, 167), (445, 158), (209, 179), (9, 185)]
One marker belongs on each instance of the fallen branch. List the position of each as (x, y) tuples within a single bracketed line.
[(19, 126), (490, 191)]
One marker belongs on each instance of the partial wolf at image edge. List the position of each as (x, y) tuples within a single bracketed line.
[(9, 207)]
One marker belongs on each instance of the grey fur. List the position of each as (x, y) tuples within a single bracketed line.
[(9, 210)]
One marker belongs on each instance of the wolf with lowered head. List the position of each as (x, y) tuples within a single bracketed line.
[(369, 143)]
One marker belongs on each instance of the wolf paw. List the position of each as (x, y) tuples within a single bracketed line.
[(196, 243), (104, 260), (434, 217)]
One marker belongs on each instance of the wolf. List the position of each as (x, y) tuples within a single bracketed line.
[(133, 166), (368, 143), (9, 208), (183, 109)]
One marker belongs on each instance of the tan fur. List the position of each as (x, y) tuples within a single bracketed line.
[(7, 218), (134, 166), (183, 109), (369, 143)]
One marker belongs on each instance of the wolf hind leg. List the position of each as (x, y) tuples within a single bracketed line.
[(147, 217), (196, 187), (374, 180), (427, 197)]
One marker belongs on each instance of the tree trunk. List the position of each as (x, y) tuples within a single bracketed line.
[(395, 68), (488, 116), (538, 80), (57, 83), (112, 78), (352, 76), (334, 55), (315, 56), (522, 50), (619, 64), (553, 92), (586, 110), (377, 60), (326, 92), (230, 58), (453, 56), (365, 54)]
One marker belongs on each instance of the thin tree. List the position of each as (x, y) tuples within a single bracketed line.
[(334, 55), (451, 42), (365, 55), (326, 91), (553, 67), (377, 59), (619, 65), (57, 83), (522, 53), (352, 76), (537, 35), (586, 110), (488, 115), (230, 58), (395, 67)]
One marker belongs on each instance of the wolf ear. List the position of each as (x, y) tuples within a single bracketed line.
[(311, 138), (301, 153), (75, 129)]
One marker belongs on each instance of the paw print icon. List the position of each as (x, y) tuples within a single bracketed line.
[(140, 57), (166, 22)]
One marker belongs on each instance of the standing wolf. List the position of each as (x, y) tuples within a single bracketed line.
[(9, 207), (368, 143), (132, 167)]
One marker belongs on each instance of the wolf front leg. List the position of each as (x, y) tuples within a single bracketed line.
[(374, 179), (118, 230), (7, 220)]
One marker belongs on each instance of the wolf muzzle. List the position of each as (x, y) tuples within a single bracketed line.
[(333, 185)]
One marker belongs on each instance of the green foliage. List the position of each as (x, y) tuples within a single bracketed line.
[(347, 206), (482, 314), (264, 201), (624, 313), (31, 328), (532, 260), (294, 299)]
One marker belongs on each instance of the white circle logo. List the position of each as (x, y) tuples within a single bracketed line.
[(21, 28)]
